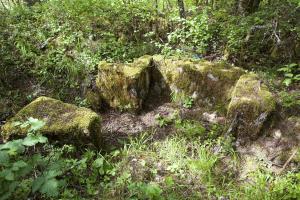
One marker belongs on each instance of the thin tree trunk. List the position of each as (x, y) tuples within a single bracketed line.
[(181, 8), (156, 6)]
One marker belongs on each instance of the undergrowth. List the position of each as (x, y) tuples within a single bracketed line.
[(173, 168), (55, 46)]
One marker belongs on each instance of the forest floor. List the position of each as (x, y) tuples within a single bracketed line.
[(185, 153), (273, 149)]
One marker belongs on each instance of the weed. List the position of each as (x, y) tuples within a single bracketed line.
[(190, 129), (291, 73), (289, 100), (139, 190), (81, 102), (182, 99), (164, 121)]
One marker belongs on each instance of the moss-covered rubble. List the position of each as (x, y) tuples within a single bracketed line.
[(251, 104), (124, 86), (204, 81), (64, 121)]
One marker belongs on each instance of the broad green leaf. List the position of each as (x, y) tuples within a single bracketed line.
[(35, 124), (32, 140), (52, 174), (115, 153), (98, 163), (50, 187), (289, 75), (7, 175), (42, 139), (283, 69), (4, 158), (19, 164), (292, 65), (37, 183), (297, 77), (287, 82), (14, 147)]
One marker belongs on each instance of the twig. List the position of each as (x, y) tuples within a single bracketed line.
[(288, 161)]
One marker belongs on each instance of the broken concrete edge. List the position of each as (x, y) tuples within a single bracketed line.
[(126, 86), (250, 106), (203, 81), (214, 83), (62, 120)]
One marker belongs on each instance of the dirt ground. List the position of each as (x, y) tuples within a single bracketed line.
[(273, 150)]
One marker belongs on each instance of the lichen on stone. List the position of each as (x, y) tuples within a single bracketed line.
[(251, 104), (124, 86), (62, 120)]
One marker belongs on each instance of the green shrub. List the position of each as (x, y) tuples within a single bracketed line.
[(32, 167), (15, 179)]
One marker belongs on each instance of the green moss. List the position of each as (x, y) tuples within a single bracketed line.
[(202, 80), (250, 88), (253, 102), (124, 86), (62, 120), (94, 100), (220, 79)]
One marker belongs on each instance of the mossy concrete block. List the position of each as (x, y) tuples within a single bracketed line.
[(63, 121), (219, 80), (202, 80), (251, 104), (93, 99), (124, 86)]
